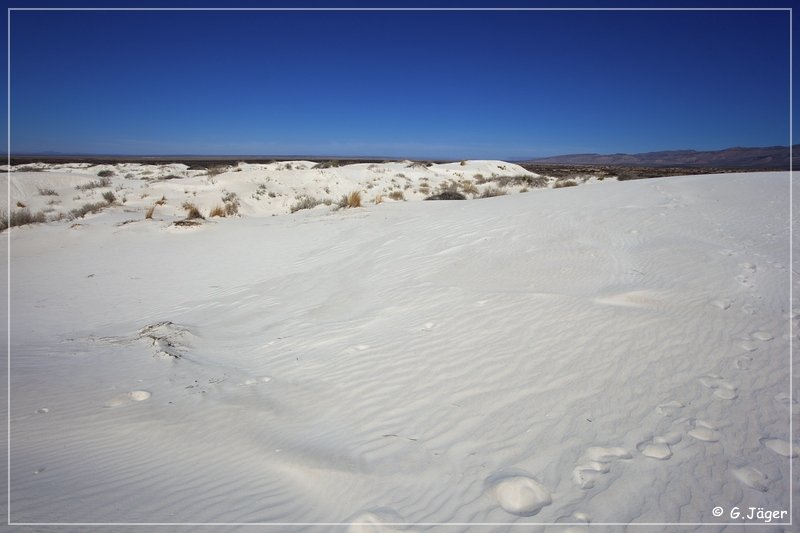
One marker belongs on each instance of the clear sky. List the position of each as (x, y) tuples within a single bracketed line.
[(398, 84)]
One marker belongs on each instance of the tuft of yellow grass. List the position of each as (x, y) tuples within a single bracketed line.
[(378, 199), (217, 211), (354, 199)]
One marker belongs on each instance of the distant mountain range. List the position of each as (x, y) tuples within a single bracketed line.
[(769, 157)]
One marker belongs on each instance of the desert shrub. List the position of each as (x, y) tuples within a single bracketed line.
[(397, 195), (192, 212), (29, 168), (333, 163), (53, 202), (564, 183), (217, 211), (304, 202), (520, 179), (463, 163), (447, 195), (351, 200), (162, 201), (20, 204), (230, 203), (424, 189), (491, 192), (149, 213), (109, 197), (3, 220), (23, 217), (169, 177), (85, 209), (215, 170), (57, 217), (104, 181), (468, 188), (47, 192), (105, 173)]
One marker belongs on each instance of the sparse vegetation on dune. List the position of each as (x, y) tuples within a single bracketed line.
[(109, 197), (149, 213), (192, 212), (564, 183), (397, 196), (86, 209), (105, 173), (491, 192), (305, 202), (217, 211), (21, 217), (104, 181), (47, 192), (447, 195)]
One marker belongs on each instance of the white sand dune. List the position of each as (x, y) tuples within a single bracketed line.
[(610, 353)]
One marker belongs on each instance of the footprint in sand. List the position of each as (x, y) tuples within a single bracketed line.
[(748, 346), (748, 309), (659, 447), (256, 381), (125, 399), (42, 411), (595, 462), (780, 446), (670, 408), (521, 495), (743, 362), (762, 336), (703, 431), (375, 521), (752, 477), (723, 388), (721, 303)]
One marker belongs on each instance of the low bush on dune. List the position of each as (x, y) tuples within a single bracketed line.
[(29, 169), (192, 213), (328, 164), (104, 181), (21, 217), (397, 196), (105, 173), (109, 197), (86, 209), (564, 183), (447, 195), (230, 203), (305, 202), (492, 192), (47, 192)]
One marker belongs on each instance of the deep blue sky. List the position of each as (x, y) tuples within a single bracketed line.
[(415, 84)]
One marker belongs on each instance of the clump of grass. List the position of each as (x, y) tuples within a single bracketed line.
[(424, 189), (104, 181), (162, 201), (215, 170), (148, 215), (192, 212), (463, 163), (217, 211), (469, 188), (351, 200), (479, 179), (47, 192), (21, 205), (378, 199), (230, 203), (22, 217), (29, 169), (85, 209), (105, 173), (491, 192), (109, 197), (305, 202), (564, 183), (397, 196)]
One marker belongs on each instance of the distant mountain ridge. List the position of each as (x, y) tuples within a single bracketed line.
[(738, 157)]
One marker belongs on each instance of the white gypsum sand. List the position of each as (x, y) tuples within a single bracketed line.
[(608, 353)]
